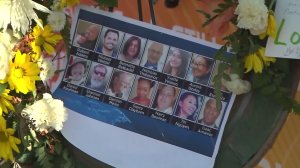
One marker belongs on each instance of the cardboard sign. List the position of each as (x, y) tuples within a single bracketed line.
[(141, 95), (287, 41)]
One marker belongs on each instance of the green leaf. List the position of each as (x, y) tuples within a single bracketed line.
[(26, 157), (269, 89), (218, 11), (296, 108), (260, 80), (206, 15), (3, 86), (44, 159), (282, 65), (58, 148), (108, 3), (219, 55)]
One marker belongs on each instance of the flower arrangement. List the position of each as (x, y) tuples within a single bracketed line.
[(248, 67), (32, 35), (34, 32)]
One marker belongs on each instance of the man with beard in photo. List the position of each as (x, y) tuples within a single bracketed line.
[(110, 41), (97, 77)]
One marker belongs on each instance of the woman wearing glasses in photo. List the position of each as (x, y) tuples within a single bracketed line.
[(97, 78), (200, 69)]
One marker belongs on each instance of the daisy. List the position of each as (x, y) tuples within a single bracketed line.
[(23, 73), (45, 38)]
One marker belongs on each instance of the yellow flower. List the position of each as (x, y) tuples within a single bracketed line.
[(266, 59), (45, 38), (5, 102), (271, 28), (23, 73), (7, 141), (36, 52), (68, 3), (257, 61)]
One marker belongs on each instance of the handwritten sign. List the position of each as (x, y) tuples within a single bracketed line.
[(287, 41)]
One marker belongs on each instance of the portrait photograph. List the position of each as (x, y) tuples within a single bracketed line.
[(132, 49), (86, 35), (154, 56), (165, 98), (120, 84), (188, 105), (98, 77), (177, 62), (77, 70), (200, 69), (142, 91), (109, 42), (210, 116)]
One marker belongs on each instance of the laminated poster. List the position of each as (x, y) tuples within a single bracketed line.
[(140, 95)]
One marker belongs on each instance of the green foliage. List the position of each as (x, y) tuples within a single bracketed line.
[(3, 86), (44, 159), (108, 3), (222, 7)]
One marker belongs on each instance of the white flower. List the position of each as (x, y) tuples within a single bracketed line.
[(47, 70), (236, 85), (47, 113), (19, 14), (55, 5), (252, 15), (4, 61), (57, 20)]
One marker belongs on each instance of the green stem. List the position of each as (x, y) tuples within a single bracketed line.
[(272, 4)]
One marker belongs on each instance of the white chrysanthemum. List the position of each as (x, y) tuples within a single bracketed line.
[(47, 113), (252, 15), (9, 39), (19, 14), (236, 85), (57, 20), (47, 70), (4, 61), (55, 5)]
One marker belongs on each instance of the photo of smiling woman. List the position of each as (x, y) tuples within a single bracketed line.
[(188, 106), (132, 48), (177, 62)]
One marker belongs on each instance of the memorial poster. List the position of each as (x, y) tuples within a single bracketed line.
[(140, 95)]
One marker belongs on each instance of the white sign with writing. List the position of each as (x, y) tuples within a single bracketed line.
[(287, 41)]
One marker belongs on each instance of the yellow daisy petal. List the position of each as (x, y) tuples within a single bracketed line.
[(8, 143), (21, 69)]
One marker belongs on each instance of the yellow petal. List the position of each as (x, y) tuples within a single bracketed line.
[(271, 30), (249, 62), (48, 48)]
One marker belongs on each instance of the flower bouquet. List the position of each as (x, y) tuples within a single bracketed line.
[(256, 116), (33, 35), (248, 67)]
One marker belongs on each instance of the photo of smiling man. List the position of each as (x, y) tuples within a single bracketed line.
[(109, 42)]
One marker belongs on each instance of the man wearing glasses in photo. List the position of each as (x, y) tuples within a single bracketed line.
[(155, 51), (97, 77), (200, 69)]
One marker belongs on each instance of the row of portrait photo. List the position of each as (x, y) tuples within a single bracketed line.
[(142, 91), (144, 52)]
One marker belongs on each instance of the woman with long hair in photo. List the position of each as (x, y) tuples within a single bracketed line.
[(187, 106), (176, 63)]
